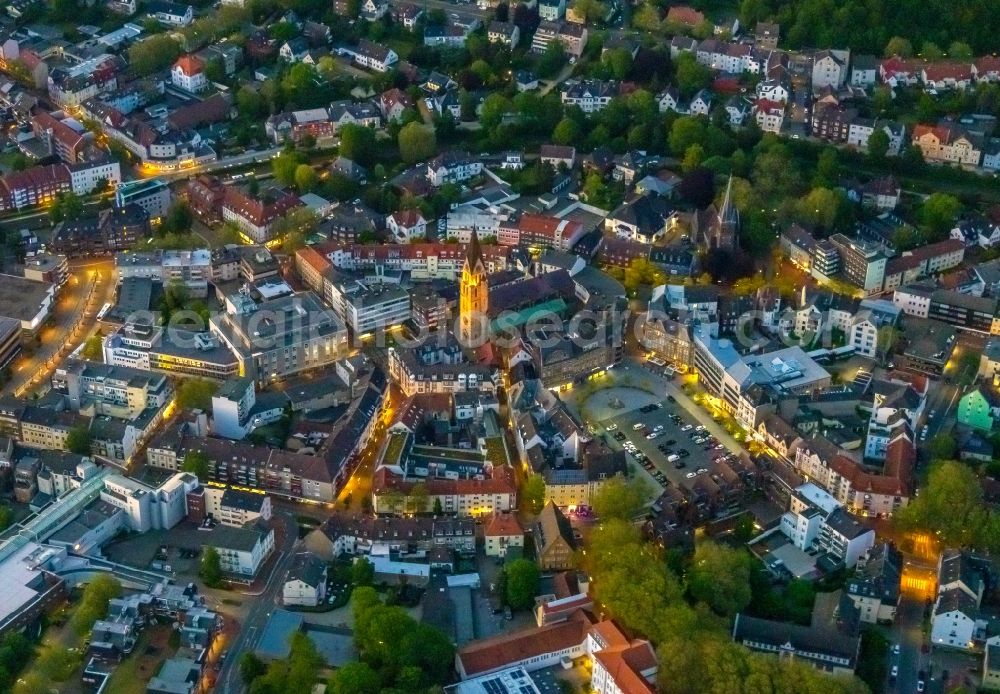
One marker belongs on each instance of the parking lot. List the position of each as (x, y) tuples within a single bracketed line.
[(665, 440)]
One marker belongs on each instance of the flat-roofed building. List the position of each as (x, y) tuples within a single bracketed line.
[(282, 336), (174, 351), (26, 301), (152, 195)]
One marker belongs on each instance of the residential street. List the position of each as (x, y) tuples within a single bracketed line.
[(261, 607)]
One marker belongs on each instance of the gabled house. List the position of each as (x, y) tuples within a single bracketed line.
[(875, 587), (830, 68), (407, 226), (948, 143), (590, 95), (373, 10), (171, 13), (188, 73), (294, 50), (770, 115), (963, 580), (506, 33), (305, 584), (644, 218), (701, 103), (737, 108), (946, 75), (557, 155), (453, 166), (374, 56), (408, 15), (501, 532), (670, 100), (555, 545), (394, 103)]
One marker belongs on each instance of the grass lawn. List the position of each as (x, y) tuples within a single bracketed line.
[(495, 451), (135, 671), (127, 678), (395, 448)]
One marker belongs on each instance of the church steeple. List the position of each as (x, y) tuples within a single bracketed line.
[(474, 256), (474, 297)]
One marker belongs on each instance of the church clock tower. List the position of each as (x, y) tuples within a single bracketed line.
[(474, 298)]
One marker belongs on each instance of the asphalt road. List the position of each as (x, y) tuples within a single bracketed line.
[(73, 321), (907, 633), (262, 605), (216, 166), (683, 406)]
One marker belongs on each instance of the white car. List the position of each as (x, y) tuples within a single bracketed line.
[(653, 435), (612, 427), (894, 672), (691, 474), (702, 470), (658, 427), (895, 649), (687, 427), (637, 426)]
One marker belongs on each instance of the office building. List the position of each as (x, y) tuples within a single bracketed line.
[(151, 194)]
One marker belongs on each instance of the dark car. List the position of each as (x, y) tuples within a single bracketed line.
[(683, 453)]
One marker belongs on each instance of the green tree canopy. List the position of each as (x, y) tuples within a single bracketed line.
[(210, 570), (94, 602), (620, 498), (306, 178), (196, 462), (522, 583), (951, 506), (533, 493), (284, 166), (416, 143), (937, 215), (720, 577), (357, 143), (355, 678), (156, 53), (78, 440)]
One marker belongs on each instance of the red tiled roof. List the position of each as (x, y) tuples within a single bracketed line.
[(60, 131), (896, 66), (918, 256), (935, 72), (30, 59), (190, 65), (487, 655), (984, 64), (624, 665), (407, 218), (503, 525), (682, 14), (945, 134), (311, 257), (768, 105), (726, 85)]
